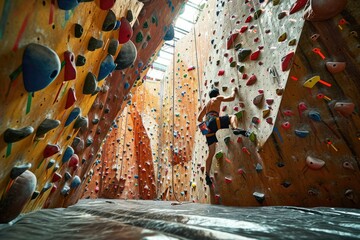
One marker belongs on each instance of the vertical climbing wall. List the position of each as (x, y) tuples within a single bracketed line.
[(67, 67), (298, 97), (306, 147)]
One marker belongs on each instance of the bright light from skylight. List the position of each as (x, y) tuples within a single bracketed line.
[(183, 24)]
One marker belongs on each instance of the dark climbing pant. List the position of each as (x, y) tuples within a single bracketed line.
[(214, 125)]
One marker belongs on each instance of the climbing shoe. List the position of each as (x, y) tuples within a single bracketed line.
[(238, 131), (208, 180)]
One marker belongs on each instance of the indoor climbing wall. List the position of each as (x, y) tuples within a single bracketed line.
[(55, 56), (297, 98), (129, 151), (69, 67), (178, 117), (312, 156), (132, 60)]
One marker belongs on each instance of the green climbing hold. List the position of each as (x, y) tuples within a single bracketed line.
[(233, 64), (241, 68), (145, 25), (185, 75), (243, 54), (240, 114), (219, 155), (139, 37), (252, 137), (154, 20), (148, 37), (257, 14)]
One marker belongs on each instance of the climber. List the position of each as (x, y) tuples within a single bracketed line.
[(215, 122)]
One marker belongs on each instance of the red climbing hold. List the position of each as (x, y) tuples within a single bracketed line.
[(221, 72), (248, 19), (251, 80), (125, 31), (74, 161), (245, 150), (288, 113), (286, 61), (50, 150), (223, 108), (285, 125), (255, 55), (56, 177), (228, 180), (191, 68), (270, 120), (243, 29), (70, 69), (231, 40), (71, 98), (297, 6), (107, 4)]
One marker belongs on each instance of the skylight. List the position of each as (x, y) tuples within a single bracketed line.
[(183, 25)]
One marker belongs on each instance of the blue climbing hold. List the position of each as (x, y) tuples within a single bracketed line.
[(127, 85), (69, 151), (106, 67), (73, 115), (67, 4), (75, 182), (314, 115), (117, 25), (169, 34), (301, 133), (40, 65)]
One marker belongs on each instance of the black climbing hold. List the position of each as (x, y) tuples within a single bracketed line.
[(90, 83), (126, 56), (113, 46), (78, 30), (46, 125), (94, 44), (243, 54), (89, 141), (81, 122), (109, 22), (96, 91), (18, 170), (95, 121), (260, 197), (107, 110), (67, 4), (80, 60), (170, 33), (35, 195), (13, 135), (67, 176), (51, 163), (75, 142), (286, 184), (129, 16), (46, 187)]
